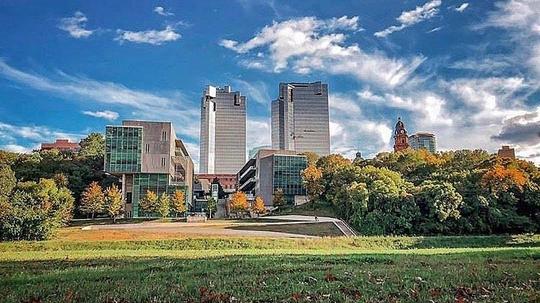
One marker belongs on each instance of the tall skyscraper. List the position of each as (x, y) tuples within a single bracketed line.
[(423, 141), (401, 140), (300, 120), (223, 131)]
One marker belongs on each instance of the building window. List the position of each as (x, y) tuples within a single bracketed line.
[(163, 162), (147, 148), (236, 100), (164, 135)]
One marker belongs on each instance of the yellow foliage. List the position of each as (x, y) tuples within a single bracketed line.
[(178, 202), (503, 178), (258, 206), (239, 202)]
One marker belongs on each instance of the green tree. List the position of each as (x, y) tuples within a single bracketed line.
[(149, 203), (212, 206), (7, 181), (114, 204), (93, 200), (438, 202), (93, 146), (164, 205)]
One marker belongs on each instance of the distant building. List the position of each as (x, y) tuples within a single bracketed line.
[(271, 170), (147, 156), (227, 181), (300, 119), (61, 145), (223, 131), (425, 141), (401, 140), (506, 152), (253, 151)]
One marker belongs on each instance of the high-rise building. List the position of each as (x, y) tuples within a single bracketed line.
[(223, 131), (147, 156), (272, 170), (300, 120), (423, 141), (401, 140)]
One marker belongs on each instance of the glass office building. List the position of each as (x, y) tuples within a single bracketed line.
[(423, 141), (123, 147), (146, 156), (287, 175), (270, 170)]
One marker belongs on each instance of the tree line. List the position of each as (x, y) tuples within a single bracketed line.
[(416, 192)]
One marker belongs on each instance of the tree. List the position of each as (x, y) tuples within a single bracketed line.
[(312, 157), (278, 198), (239, 203), (7, 181), (438, 202), (149, 203), (164, 205), (312, 181), (93, 200), (178, 202), (212, 206), (93, 146), (114, 203), (258, 206)]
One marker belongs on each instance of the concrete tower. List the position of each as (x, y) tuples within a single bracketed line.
[(300, 119), (223, 131)]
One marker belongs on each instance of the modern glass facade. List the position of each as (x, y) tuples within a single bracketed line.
[(287, 175), (123, 149), (423, 141), (157, 183)]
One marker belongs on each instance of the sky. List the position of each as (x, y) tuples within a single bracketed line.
[(467, 71)]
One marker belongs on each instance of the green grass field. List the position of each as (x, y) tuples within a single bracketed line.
[(362, 269)]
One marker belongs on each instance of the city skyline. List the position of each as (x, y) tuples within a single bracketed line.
[(465, 71)]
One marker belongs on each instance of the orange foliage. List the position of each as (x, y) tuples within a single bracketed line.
[(502, 178), (258, 206), (430, 158)]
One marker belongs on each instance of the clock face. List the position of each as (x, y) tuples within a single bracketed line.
[(401, 131)]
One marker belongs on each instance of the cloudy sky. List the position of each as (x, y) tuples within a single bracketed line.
[(468, 71)]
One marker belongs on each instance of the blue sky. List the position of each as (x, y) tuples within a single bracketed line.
[(467, 71)]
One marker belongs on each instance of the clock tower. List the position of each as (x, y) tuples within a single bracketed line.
[(401, 139)]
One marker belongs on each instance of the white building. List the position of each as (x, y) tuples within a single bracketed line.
[(300, 119), (223, 131)]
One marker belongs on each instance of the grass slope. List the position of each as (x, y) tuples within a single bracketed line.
[(363, 269)]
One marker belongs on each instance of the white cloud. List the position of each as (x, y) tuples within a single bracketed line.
[(161, 11), (255, 90), (310, 44), (16, 148), (462, 7), (32, 136), (153, 37), (258, 132), (352, 131), (107, 114), (75, 26), (146, 105), (522, 19), (409, 18), (436, 29)]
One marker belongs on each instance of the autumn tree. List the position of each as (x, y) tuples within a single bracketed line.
[(239, 203), (312, 181), (149, 203), (278, 198), (311, 157), (164, 205), (178, 202), (93, 200), (114, 203), (258, 206)]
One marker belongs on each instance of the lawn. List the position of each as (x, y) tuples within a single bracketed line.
[(322, 229), (362, 269)]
